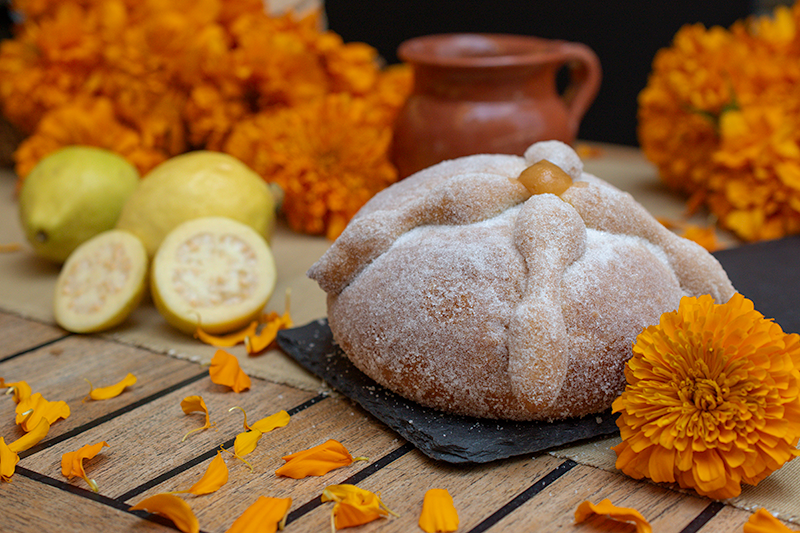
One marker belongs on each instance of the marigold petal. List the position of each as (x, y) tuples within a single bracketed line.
[(193, 404), (762, 521), (274, 421), (42, 408), (215, 476), (257, 343), (112, 391), (170, 507), (316, 461), (353, 505), (31, 438), (246, 442), (621, 514), (8, 461), (439, 514), (266, 515), (72, 462), (20, 389), (227, 340), (225, 370)]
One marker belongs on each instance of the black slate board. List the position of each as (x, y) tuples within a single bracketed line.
[(442, 436), (768, 273)]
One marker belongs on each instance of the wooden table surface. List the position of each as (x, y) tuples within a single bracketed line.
[(144, 426)]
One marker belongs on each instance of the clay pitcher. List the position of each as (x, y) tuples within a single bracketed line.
[(489, 93)]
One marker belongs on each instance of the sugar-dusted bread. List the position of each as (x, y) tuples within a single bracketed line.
[(476, 288)]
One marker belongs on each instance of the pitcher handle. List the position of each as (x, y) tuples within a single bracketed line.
[(585, 74)]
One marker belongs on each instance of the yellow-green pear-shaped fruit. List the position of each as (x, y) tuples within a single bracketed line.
[(192, 185), (71, 195), (213, 272), (101, 282)]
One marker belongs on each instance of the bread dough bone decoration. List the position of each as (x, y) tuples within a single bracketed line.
[(506, 287)]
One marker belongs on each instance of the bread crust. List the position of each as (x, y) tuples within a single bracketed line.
[(459, 289)]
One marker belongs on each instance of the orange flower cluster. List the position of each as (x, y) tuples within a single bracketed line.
[(720, 117), (150, 80)]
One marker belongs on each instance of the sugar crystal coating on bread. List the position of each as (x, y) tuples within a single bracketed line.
[(460, 289)]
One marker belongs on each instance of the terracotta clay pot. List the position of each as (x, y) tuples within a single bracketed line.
[(489, 93)]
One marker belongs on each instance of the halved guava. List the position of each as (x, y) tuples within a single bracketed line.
[(213, 272), (101, 282)]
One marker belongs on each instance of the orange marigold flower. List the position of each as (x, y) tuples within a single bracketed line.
[(762, 521), (171, 507), (439, 514), (225, 370), (316, 461), (712, 400), (621, 514), (328, 155), (720, 118), (86, 122), (72, 462), (266, 515)]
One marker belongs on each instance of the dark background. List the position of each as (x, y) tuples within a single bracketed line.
[(625, 34)]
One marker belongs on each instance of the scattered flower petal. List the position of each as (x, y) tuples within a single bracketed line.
[(621, 514), (228, 340), (273, 322), (171, 507), (274, 421), (72, 462), (246, 442), (266, 515), (225, 370), (9, 452), (31, 438), (267, 424), (762, 521), (34, 408), (316, 461), (193, 404), (215, 477), (712, 400), (439, 514), (8, 461), (20, 389), (111, 391), (353, 506)]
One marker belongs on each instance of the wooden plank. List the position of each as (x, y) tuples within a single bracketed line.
[(59, 375), (554, 507), (477, 490), (146, 442), (29, 506), (20, 334), (733, 519), (332, 418)]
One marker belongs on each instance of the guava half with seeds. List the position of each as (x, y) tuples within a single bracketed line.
[(101, 282), (213, 272)]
